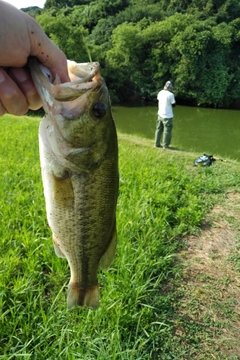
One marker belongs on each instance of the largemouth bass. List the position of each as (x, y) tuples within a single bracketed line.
[(79, 164)]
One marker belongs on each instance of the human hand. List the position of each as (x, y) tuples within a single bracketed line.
[(21, 37)]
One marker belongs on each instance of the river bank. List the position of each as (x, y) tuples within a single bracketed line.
[(199, 130)]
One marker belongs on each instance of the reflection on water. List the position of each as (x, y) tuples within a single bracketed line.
[(202, 130)]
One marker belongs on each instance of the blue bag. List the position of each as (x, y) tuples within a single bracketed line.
[(204, 160)]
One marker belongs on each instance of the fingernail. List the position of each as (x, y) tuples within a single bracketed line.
[(2, 77)]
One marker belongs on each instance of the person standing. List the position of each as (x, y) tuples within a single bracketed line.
[(166, 101)]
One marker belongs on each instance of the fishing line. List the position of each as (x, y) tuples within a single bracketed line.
[(86, 47)]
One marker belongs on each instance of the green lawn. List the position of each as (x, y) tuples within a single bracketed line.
[(162, 199)]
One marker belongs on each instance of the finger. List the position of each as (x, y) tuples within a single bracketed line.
[(11, 97), (56, 62), (47, 52), (23, 79)]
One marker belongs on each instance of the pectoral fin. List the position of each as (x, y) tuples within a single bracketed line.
[(57, 248), (63, 191)]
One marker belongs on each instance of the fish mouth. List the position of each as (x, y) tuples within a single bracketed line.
[(84, 77), (70, 99)]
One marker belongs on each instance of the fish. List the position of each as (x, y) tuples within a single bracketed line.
[(79, 165)]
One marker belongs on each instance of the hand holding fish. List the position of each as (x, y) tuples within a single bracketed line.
[(21, 37)]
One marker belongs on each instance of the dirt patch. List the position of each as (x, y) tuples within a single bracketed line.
[(211, 284)]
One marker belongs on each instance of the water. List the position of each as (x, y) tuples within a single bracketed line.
[(201, 130)]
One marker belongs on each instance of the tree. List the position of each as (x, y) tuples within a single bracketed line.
[(64, 3), (202, 71), (69, 36), (32, 11), (121, 61), (143, 43)]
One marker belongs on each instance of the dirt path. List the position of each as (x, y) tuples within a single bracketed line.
[(212, 281)]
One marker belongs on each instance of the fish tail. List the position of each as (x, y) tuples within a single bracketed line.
[(82, 297)]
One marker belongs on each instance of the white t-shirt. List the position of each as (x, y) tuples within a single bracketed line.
[(165, 101)]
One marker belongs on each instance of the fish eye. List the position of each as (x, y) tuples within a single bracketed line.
[(99, 110)]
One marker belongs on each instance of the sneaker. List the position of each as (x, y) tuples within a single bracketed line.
[(157, 146)]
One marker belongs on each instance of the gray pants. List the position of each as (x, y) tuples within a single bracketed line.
[(164, 127)]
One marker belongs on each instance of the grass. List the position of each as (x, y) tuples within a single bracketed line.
[(163, 199)]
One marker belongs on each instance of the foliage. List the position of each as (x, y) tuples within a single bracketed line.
[(64, 3), (67, 33), (32, 11), (134, 44), (141, 44), (203, 68)]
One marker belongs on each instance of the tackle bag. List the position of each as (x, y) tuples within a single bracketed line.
[(204, 160)]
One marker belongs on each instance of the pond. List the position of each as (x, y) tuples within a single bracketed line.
[(211, 131)]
